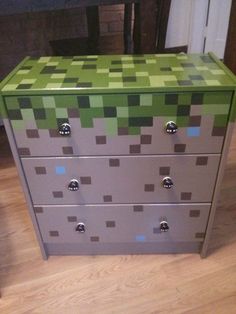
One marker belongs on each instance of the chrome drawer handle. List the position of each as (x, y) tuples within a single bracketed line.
[(167, 182), (80, 227), (65, 129), (164, 227), (73, 185), (171, 127)]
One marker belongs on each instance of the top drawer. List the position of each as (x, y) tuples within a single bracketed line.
[(119, 124)]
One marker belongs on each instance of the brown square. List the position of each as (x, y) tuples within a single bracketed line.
[(85, 180), (94, 239), (110, 224), (194, 213), (107, 198), (164, 171), (101, 140), (202, 161), (114, 162), (40, 170), (57, 194), (72, 218), (123, 131), (218, 131), (179, 148), (24, 151), (73, 112), (149, 187), (54, 233), (186, 196), (138, 208), (67, 150), (146, 139), (199, 235), (38, 210), (32, 133), (195, 120), (135, 149)]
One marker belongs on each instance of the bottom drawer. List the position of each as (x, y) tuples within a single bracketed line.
[(104, 229)]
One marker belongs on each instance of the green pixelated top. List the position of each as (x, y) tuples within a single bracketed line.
[(117, 74)]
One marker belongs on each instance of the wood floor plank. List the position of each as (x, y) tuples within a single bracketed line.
[(133, 284)]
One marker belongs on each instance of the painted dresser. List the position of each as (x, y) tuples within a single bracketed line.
[(120, 154)]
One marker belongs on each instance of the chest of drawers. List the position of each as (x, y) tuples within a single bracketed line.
[(120, 154)]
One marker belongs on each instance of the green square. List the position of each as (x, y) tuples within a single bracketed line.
[(220, 120), (48, 102), (111, 126), (182, 121)]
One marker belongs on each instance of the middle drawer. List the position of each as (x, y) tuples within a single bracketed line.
[(121, 179)]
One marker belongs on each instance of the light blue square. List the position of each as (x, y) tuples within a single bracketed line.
[(193, 131), (140, 238), (60, 170)]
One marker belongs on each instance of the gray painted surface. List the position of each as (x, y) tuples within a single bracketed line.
[(83, 140), (136, 179)]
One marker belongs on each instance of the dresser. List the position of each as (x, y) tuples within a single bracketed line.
[(120, 154)]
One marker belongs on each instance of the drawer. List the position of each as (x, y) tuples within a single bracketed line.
[(119, 124), (130, 179), (122, 223)]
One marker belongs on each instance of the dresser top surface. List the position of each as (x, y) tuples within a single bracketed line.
[(118, 72)]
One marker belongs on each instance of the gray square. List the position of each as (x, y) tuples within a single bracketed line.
[(85, 180), (57, 194), (194, 213), (202, 161), (164, 171), (54, 233), (107, 198), (67, 150), (149, 187), (114, 162), (186, 196), (32, 133), (138, 208)]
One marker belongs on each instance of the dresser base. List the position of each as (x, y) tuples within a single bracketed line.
[(122, 248)]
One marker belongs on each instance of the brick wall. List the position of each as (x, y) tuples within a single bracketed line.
[(30, 33)]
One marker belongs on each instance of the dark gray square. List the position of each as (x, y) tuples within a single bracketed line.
[(179, 148), (38, 210), (186, 196), (57, 194), (72, 218), (114, 162), (135, 149), (202, 161), (149, 187), (54, 233), (194, 213), (107, 198), (199, 235), (164, 171), (138, 208), (101, 140), (85, 180), (67, 150), (146, 139), (40, 170), (24, 151), (32, 133), (110, 224), (94, 239)]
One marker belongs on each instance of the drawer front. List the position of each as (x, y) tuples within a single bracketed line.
[(119, 124), (121, 179), (122, 223)]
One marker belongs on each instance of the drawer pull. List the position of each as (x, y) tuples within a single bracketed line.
[(171, 127), (73, 185), (65, 129), (80, 227), (164, 227), (167, 183)]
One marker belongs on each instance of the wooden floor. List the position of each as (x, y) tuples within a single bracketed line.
[(113, 284)]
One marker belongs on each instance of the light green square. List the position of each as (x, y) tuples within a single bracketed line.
[(182, 57), (202, 68), (141, 74), (127, 58), (217, 72), (18, 124), (48, 102), (115, 84), (177, 69), (115, 74), (102, 70), (28, 81), (27, 114), (111, 126), (52, 63), (44, 59), (61, 113), (122, 112), (151, 61), (77, 63), (10, 87), (96, 101), (128, 66), (212, 82), (58, 75), (145, 100), (22, 72), (53, 85)]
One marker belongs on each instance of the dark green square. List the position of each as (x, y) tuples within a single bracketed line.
[(83, 101), (109, 111), (133, 100)]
